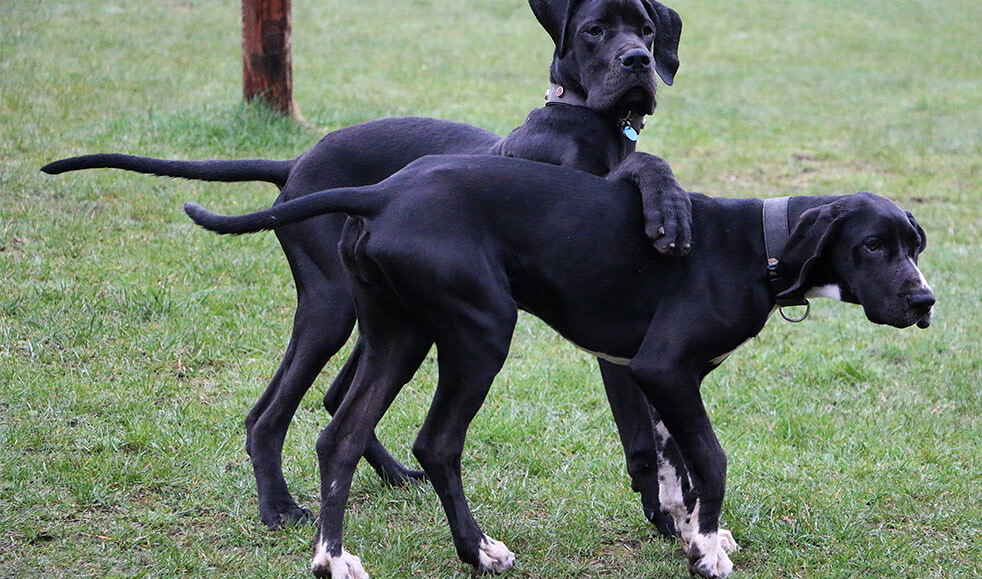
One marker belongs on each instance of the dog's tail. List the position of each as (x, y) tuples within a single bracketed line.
[(269, 171), (356, 201)]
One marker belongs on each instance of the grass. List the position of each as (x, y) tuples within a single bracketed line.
[(132, 344)]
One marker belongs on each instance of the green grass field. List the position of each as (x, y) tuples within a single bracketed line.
[(132, 343)]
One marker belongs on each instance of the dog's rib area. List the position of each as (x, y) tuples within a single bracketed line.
[(606, 357)]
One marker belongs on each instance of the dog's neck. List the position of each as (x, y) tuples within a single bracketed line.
[(777, 232), (630, 126)]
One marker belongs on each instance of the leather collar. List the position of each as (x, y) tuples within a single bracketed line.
[(777, 232), (630, 125)]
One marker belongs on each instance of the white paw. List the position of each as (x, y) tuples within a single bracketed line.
[(347, 566), (494, 556), (727, 542), (707, 557)]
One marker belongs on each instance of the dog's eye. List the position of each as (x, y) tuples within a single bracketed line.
[(873, 245), (595, 31), (647, 31)]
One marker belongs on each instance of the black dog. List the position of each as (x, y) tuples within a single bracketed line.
[(448, 249), (603, 85)]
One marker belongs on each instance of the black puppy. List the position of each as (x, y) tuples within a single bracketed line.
[(447, 250), (603, 84)]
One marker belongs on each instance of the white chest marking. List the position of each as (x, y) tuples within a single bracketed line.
[(831, 291)]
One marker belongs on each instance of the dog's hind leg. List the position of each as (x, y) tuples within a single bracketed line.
[(323, 322), (312, 344), (470, 355), (391, 347), (379, 377), (385, 465)]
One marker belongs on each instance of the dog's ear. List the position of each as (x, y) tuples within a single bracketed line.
[(921, 235), (554, 16), (813, 232), (668, 32)]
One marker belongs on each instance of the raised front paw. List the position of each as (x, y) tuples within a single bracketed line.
[(494, 556), (667, 207), (668, 221), (707, 555)]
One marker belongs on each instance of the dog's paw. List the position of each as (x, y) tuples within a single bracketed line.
[(727, 542), (668, 221), (292, 514), (664, 523), (347, 566), (708, 558), (404, 477), (494, 557)]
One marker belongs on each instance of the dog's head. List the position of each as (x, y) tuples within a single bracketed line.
[(867, 247), (610, 50)]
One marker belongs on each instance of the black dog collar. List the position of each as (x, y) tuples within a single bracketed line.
[(630, 125), (777, 231)]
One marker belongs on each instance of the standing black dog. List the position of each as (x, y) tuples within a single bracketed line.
[(447, 250), (603, 84)]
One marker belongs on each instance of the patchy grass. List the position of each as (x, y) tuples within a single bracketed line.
[(132, 344)]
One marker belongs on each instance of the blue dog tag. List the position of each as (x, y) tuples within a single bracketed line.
[(630, 133)]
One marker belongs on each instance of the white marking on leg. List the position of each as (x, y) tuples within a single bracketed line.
[(347, 566), (670, 497), (710, 549), (688, 527), (494, 556), (322, 559)]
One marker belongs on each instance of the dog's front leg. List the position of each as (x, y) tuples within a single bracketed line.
[(653, 475), (674, 392), (667, 207)]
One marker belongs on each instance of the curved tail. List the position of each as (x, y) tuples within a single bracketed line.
[(357, 201), (275, 172)]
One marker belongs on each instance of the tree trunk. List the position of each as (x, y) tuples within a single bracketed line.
[(267, 68)]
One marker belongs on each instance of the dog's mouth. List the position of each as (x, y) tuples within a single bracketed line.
[(620, 96), (924, 321), (921, 316), (922, 307), (638, 99)]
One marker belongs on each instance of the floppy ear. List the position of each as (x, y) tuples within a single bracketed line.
[(920, 232), (554, 16), (668, 31), (815, 229)]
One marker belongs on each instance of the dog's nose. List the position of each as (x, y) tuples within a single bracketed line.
[(636, 59), (922, 300)]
